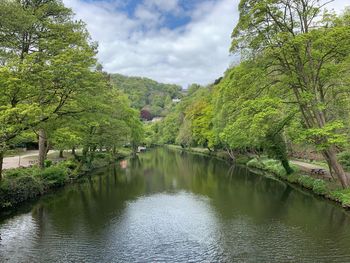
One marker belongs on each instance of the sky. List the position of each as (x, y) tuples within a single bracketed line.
[(171, 41)]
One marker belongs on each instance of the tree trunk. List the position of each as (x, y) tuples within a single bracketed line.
[(85, 152), (331, 157), (1, 163), (330, 168), (134, 149), (61, 154), (286, 166), (73, 151), (42, 148)]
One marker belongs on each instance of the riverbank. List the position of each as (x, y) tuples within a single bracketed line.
[(223, 155), (328, 189), (23, 184)]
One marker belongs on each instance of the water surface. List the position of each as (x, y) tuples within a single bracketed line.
[(168, 206)]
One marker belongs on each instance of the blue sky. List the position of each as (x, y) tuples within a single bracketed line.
[(172, 41)]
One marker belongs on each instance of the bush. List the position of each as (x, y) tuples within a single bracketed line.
[(14, 190), (344, 159), (69, 164), (255, 163), (101, 155), (18, 172), (270, 165), (342, 196), (319, 187), (47, 163), (54, 176), (306, 181), (275, 167), (293, 178)]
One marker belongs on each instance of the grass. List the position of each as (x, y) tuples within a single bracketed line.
[(269, 165), (318, 186), (342, 196)]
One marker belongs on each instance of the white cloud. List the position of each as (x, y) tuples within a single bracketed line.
[(138, 46), (167, 6), (339, 5)]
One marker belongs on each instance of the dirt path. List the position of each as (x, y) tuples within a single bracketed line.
[(308, 166), (23, 160)]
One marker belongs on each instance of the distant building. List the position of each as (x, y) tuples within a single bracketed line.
[(176, 100)]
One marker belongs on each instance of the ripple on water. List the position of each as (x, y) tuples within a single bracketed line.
[(207, 216)]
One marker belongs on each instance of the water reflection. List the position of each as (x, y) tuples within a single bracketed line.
[(169, 206)]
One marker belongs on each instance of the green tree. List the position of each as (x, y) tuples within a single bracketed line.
[(308, 55)]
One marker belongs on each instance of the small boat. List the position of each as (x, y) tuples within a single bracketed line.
[(141, 149)]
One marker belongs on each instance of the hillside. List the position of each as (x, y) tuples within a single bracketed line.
[(148, 94)]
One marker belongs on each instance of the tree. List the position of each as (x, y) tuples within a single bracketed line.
[(185, 138), (308, 58), (48, 61), (200, 114)]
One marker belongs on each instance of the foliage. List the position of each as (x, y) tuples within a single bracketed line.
[(148, 94), (319, 187), (269, 165), (22, 184), (14, 190), (54, 176), (343, 196), (48, 163), (344, 159), (306, 55), (306, 181)]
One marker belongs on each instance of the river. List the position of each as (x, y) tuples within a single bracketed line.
[(168, 206)]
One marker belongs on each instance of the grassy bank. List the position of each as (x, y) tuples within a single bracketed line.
[(327, 189), (22, 184), (220, 154), (321, 187)]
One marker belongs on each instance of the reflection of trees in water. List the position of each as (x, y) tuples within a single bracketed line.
[(233, 191), (93, 202)]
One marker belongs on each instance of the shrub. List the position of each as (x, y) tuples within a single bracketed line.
[(342, 195), (306, 181), (101, 155), (275, 167), (270, 165), (47, 163), (14, 190), (54, 175), (319, 187), (69, 164), (18, 172), (255, 163), (293, 178)]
